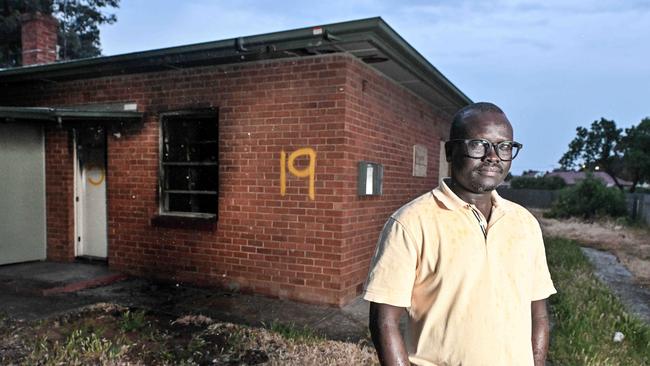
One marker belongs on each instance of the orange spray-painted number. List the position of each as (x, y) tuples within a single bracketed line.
[(309, 171)]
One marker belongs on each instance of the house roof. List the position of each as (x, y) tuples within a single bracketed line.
[(371, 40), (571, 178)]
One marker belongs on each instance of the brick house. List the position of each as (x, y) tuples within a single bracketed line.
[(265, 164)]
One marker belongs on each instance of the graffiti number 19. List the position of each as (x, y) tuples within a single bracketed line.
[(309, 171)]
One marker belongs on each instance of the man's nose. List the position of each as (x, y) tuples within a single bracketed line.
[(491, 154)]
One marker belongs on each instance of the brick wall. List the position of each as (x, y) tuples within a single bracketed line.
[(383, 122), (291, 247), (59, 187)]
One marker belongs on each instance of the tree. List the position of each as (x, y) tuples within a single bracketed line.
[(635, 147), (78, 34), (596, 149)]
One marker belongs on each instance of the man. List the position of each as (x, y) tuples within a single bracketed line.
[(467, 265)]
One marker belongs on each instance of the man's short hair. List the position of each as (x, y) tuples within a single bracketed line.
[(457, 129)]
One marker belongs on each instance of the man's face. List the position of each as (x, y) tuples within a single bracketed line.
[(481, 175)]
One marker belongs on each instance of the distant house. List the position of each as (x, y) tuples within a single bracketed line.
[(571, 178), (266, 163), (505, 184), (532, 173)]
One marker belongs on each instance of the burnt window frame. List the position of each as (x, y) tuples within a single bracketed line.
[(167, 118)]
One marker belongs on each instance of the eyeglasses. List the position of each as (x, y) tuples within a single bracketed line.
[(479, 148)]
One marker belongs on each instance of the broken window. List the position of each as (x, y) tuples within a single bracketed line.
[(189, 163)]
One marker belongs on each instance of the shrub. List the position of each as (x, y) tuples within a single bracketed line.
[(587, 199), (537, 183)]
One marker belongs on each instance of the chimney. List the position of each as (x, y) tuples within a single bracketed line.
[(39, 38)]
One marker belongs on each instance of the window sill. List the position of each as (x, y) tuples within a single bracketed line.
[(204, 222)]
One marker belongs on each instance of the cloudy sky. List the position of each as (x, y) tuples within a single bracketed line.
[(551, 65)]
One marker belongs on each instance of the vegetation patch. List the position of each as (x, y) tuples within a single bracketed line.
[(589, 198), (293, 332), (107, 334), (132, 321), (587, 316)]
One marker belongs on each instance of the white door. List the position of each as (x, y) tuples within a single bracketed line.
[(22, 192), (90, 200)]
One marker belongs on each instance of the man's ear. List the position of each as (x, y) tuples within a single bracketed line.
[(448, 151)]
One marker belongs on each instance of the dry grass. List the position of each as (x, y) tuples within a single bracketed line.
[(631, 245)]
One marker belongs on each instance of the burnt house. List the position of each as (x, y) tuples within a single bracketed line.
[(265, 163)]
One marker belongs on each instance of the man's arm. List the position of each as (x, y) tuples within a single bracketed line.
[(540, 331), (384, 329)]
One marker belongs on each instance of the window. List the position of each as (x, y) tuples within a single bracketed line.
[(189, 165)]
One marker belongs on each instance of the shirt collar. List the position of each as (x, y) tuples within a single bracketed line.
[(448, 198)]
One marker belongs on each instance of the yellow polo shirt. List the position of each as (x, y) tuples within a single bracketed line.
[(467, 284)]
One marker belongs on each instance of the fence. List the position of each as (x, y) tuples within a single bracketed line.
[(638, 204), (533, 198)]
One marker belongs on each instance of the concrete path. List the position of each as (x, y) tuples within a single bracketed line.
[(37, 290), (611, 272)]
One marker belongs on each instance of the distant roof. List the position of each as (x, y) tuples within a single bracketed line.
[(571, 178), (532, 173), (371, 40)]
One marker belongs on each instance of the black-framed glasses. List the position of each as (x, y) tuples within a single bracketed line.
[(479, 148)]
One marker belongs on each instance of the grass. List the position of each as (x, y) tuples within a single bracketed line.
[(293, 332), (80, 347), (587, 314), (629, 222)]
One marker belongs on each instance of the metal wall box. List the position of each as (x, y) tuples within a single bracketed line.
[(370, 179)]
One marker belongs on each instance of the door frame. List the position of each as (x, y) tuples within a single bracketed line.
[(78, 194)]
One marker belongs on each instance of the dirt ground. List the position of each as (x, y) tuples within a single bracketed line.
[(630, 244)]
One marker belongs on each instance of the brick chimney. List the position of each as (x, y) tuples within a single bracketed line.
[(39, 38)]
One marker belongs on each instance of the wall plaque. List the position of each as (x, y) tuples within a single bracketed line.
[(419, 161)]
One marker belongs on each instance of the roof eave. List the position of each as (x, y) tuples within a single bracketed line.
[(248, 48)]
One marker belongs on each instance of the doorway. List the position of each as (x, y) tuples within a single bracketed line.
[(90, 192)]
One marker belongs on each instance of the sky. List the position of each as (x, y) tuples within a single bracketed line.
[(550, 65)]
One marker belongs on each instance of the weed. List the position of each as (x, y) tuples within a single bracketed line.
[(195, 346), (78, 348), (132, 321)]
